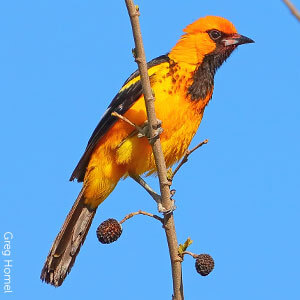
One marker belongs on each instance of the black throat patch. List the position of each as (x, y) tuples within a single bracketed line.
[(203, 79)]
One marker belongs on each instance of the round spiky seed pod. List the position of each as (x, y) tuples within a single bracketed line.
[(109, 231), (204, 264)]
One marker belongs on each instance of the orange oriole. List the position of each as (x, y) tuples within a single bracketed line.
[(183, 82)]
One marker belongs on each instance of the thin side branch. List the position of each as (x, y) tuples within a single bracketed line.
[(191, 254), (293, 9), (185, 158), (138, 128), (140, 212), (167, 203)]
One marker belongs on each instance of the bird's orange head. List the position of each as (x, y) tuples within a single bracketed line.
[(207, 36)]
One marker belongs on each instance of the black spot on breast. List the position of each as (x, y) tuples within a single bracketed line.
[(203, 79)]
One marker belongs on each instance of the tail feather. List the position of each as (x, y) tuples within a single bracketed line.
[(67, 244)]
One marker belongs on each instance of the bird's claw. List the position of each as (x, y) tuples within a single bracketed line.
[(165, 211), (145, 131)]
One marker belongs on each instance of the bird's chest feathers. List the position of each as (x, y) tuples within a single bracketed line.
[(194, 83), (178, 109), (182, 94)]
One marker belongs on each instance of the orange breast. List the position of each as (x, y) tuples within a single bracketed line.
[(119, 153), (180, 120)]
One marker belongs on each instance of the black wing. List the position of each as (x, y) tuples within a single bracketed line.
[(120, 104)]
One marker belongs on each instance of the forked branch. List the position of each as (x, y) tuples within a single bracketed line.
[(167, 203), (185, 158)]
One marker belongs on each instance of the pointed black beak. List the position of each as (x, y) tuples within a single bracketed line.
[(236, 39)]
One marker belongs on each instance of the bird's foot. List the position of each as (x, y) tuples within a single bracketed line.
[(165, 211), (145, 131)]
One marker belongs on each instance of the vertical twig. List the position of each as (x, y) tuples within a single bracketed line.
[(169, 225)]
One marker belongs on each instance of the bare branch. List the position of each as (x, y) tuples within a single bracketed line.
[(138, 128), (167, 203), (149, 102), (140, 212), (185, 158), (293, 9), (191, 254)]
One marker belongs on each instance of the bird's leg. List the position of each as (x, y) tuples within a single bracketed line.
[(153, 194), (147, 187), (145, 131)]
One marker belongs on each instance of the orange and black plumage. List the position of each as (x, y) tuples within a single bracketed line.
[(183, 83)]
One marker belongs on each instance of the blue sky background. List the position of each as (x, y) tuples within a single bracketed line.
[(61, 63)]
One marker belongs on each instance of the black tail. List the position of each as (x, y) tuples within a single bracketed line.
[(68, 242)]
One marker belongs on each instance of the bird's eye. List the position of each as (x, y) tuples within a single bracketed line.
[(215, 34)]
